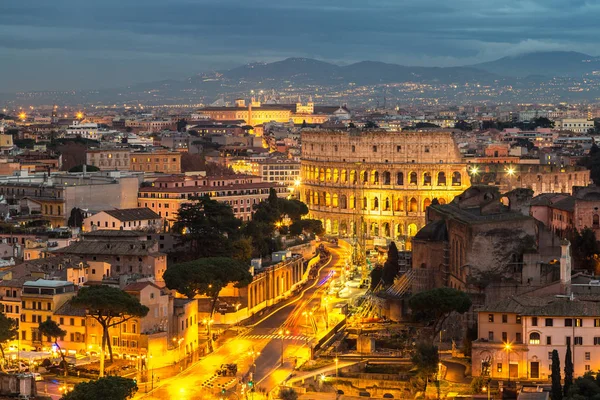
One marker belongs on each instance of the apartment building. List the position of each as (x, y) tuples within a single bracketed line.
[(124, 219), (166, 195), (109, 159), (166, 161)]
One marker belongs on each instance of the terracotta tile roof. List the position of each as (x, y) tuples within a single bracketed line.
[(103, 247), (68, 310), (139, 286), (132, 214)]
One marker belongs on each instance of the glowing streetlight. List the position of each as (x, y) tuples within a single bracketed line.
[(79, 115), (510, 171), (281, 332), (297, 182), (508, 347), (474, 170), (22, 116)]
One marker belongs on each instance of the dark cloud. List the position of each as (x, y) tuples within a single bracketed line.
[(67, 44)]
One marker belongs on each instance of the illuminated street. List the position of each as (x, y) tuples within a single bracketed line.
[(262, 342)]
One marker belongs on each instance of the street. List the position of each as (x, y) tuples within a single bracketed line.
[(261, 345)]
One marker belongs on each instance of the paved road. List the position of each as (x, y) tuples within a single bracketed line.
[(257, 351)]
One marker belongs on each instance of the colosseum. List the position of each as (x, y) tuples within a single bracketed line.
[(377, 181)]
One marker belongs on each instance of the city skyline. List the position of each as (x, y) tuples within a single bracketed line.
[(94, 46)]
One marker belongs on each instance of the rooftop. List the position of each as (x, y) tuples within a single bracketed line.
[(104, 247), (47, 283), (132, 214)]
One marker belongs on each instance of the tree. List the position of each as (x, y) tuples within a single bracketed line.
[(110, 307), (463, 125), (584, 248), (390, 267), (110, 387), (288, 394), (207, 277), (426, 358), (241, 250), (51, 330), (568, 371), (76, 218), (9, 329), (181, 125), (208, 225), (436, 305), (542, 122), (557, 393), (371, 125)]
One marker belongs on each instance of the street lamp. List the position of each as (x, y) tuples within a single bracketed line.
[(281, 332), (487, 389), (507, 347)]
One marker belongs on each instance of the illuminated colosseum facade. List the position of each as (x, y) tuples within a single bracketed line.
[(377, 184)]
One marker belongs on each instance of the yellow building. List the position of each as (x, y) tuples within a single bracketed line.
[(377, 183), (168, 162), (40, 299)]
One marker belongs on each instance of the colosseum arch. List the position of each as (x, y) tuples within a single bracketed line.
[(400, 178), (344, 176), (426, 203), (327, 200), (399, 204), (365, 177), (386, 204), (375, 177), (365, 203), (399, 231), (336, 175), (427, 179), (413, 206), (387, 178), (375, 203), (343, 202), (411, 230), (412, 178), (336, 225), (352, 202), (385, 229), (353, 176), (441, 180), (328, 226), (322, 174), (456, 178), (374, 229), (328, 175), (334, 200), (343, 228), (316, 198)]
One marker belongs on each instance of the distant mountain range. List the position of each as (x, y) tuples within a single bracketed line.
[(524, 72)]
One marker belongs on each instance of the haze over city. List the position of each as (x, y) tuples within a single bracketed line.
[(68, 44)]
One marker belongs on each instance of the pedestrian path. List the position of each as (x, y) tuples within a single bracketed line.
[(274, 336)]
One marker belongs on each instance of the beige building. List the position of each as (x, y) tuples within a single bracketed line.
[(166, 161), (378, 183), (109, 159), (577, 125), (124, 219)]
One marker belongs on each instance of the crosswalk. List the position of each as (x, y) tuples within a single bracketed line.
[(274, 336)]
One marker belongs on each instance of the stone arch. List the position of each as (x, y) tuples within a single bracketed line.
[(399, 204), (335, 201), (322, 174), (399, 231), (400, 178), (386, 204), (427, 179), (375, 203), (411, 230), (327, 200), (328, 175), (328, 226), (413, 206), (375, 177), (441, 180), (442, 200), (343, 228), (316, 198), (387, 178), (365, 177), (343, 202), (353, 176), (385, 228), (426, 203), (353, 228), (456, 178), (595, 221), (412, 178), (365, 203), (336, 175), (352, 202), (374, 229), (336, 227), (344, 176)]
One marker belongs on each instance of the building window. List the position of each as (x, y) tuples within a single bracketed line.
[(548, 340), (587, 367), (549, 322), (353, 148), (491, 336), (499, 367), (597, 322), (518, 319), (504, 318), (505, 337), (578, 341), (374, 149), (578, 322), (519, 338), (549, 355), (534, 321), (588, 356), (490, 317), (534, 338), (568, 322)]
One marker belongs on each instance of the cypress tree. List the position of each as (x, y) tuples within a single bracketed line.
[(568, 371), (557, 393)]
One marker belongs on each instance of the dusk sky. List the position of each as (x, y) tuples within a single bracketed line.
[(68, 44)]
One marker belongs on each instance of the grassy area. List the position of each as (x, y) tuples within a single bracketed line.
[(312, 365)]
